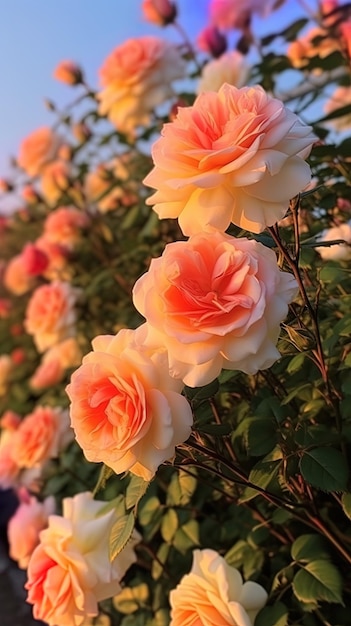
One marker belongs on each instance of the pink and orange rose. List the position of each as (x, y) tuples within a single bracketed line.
[(228, 14), (50, 315), (236, 155), (126, 410), (214, 593), (70, 570), (41, 436), (214, 302), (136, 77), (38, 149), (25, 525)]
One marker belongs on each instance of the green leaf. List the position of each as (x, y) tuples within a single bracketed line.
[(325, 469), (276, 615), (105, 474), (309, 547), (169, 525), (136, 488), (130, 599), (187, 536), (120, 534), (181, 488), (346, 504), (258, 435), (320, 580), (158, 564)]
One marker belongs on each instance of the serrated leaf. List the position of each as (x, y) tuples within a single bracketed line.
[(276, 615), (320, 580), (309, 547), (325, 469), (120, 534), (136, 488), (105, 474)]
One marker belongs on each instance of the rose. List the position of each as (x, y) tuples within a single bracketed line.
[(38, 149), (214, 593), (340, 251), (25, 525), (55, 361), (214, 302), (70, 570), (136, 77), (236, 155), (50, 314), (228, 14), (126, 410), (57, 255), (64, 225), (41, 436), (230, 68), (16, 279)]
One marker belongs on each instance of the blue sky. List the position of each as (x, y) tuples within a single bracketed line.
[(35, 36)]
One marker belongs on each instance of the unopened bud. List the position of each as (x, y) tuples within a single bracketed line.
[(160, 12), (68, 72), (5, 185), (211, 40)]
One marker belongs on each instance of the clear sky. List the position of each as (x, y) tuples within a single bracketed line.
[(35, 35)]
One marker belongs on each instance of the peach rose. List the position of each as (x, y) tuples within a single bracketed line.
[(228, 14), (9, 469), (16, 279), (126, 410), (236, 155), (68, 72), (50, 315), (41, 436), (70, 570), (101, 188), (214, 302), (64, 225), (38, 149), (231, 68), (136, 78), (25, 525), (55, 361), (214, 593), (339, 251)]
